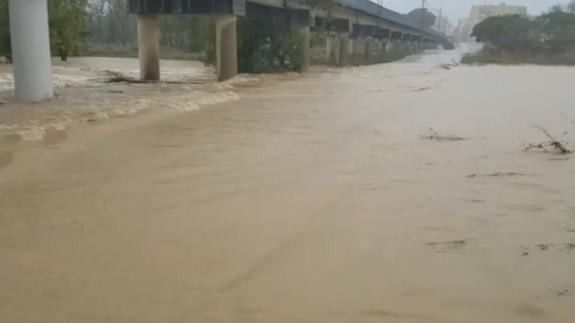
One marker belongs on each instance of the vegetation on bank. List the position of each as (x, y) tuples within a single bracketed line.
[(67, 22), (548, 39), (4, 30)]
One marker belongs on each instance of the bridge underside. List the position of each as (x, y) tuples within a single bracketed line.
[(349, 23), (281, 17), (211, 7)]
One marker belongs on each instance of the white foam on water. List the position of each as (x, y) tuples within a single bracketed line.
[(34, 130)]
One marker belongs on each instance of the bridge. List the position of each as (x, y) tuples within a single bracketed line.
[(353, 26)]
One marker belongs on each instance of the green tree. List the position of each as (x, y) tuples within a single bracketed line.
[(421, 17), (557, 30), (67, 20), (511, 32), (5, 46), (556, 8), (266, 48)]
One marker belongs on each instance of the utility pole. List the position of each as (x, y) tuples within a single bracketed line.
[(422, 14), (380, 10), (443, 21)]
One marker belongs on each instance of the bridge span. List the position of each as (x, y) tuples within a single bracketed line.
[(353, 26)]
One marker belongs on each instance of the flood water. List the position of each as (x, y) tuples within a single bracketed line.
[(308, 198)]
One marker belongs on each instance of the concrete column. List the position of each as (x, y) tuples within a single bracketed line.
[(328, 49), (396, 46), (31, 49), (332, 50), (379, 50), (343, 50), (149, 47), (350, 46), (414, 46), (358, 47), (303, 48), (226, 47), (387, 45), (367, 51)]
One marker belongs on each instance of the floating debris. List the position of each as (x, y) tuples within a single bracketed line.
[(436, 136), (447, 66), (496, 174), (445, 246), (553, 145)]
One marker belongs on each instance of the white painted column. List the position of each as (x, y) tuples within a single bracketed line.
[(149, 47), (31, 49), (226, 47)]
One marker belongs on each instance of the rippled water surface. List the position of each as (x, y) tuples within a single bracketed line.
[(311, 198)]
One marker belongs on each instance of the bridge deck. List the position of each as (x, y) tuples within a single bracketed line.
[(238, 7)]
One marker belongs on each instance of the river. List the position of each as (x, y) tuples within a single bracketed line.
[(314, 198)]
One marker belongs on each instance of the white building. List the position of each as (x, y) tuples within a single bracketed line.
[(482, 12)]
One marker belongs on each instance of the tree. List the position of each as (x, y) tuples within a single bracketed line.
[(5, 46), (510, 32), (266, 47), (557, 30), (556, 8), (421, 17), (67, 20)]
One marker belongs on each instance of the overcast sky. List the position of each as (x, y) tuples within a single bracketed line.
[(460, 8)]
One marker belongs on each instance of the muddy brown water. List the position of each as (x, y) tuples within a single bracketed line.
[(309, 199)]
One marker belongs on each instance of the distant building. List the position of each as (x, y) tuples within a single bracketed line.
[(480, 13), (443, 25), (459, 33)]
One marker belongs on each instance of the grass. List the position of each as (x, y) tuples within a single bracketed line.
[(492, 56)]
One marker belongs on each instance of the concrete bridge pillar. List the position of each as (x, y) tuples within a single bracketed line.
[(379, 50), (303, 48), (149, 47), (408, 45), (343, 50), (351, 46), (396, 42), (358, 47), (332, 49), (387, 46), (368, 50), (226, 47), (31, 49)]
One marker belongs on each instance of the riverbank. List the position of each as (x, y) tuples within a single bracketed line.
[(492, 56)]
